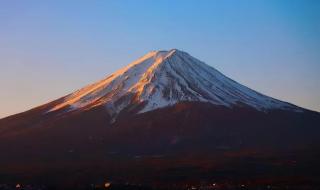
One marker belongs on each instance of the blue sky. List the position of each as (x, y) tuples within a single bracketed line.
[(51, 48)]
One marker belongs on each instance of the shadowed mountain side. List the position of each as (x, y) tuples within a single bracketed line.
[(198, 137)]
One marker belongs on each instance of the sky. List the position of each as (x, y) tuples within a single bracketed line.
[(51, 48)]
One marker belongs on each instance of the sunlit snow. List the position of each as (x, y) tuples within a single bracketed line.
[(163, 78)]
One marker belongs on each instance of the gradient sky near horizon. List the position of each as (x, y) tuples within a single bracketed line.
[(51, 48)]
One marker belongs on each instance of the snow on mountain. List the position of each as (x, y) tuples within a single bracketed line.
[(163, 78)]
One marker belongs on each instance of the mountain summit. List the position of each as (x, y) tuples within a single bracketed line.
[(164, 78)]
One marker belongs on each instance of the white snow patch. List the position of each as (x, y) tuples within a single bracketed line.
[(164, 78)]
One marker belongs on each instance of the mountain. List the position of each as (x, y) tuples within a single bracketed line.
[(165, 118)]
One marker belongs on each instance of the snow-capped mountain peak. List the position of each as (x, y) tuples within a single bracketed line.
[(163, 78)]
